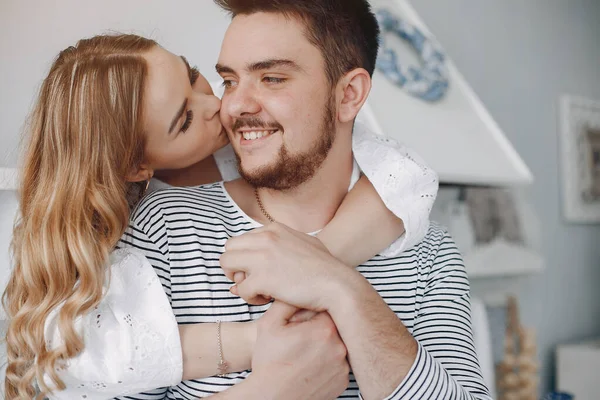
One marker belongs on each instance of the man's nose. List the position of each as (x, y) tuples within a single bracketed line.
[(241, 101)]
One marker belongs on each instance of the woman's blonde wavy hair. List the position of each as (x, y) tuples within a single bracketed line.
[(85, 135)]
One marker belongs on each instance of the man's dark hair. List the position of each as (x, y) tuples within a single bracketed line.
[(345, 31)]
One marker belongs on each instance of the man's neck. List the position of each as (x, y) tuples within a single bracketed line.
[(310, 206), (205, 171)]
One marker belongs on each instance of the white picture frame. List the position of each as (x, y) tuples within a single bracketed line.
[(580, 158)]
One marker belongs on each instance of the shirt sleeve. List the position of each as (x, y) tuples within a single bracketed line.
[(406, 185), (131, 338), (446, 366), (148, 235)]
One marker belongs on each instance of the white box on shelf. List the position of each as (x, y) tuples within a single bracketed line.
[(577, 367)]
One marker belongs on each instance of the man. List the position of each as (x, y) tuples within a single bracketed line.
[(296, 73)]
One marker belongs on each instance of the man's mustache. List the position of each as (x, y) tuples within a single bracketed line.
[(254, 122)]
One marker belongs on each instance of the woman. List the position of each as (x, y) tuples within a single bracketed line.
[(99, 132)]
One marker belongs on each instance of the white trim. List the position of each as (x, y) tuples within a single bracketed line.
[(8, 179)]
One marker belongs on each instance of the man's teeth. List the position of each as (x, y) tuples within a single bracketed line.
[(256, 134)]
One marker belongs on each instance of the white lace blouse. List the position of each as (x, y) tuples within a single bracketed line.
[(131, 339)]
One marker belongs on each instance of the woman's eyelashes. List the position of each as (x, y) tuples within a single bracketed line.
[(194, 74), (189, 116)]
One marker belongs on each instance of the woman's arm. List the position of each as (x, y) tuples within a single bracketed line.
[(134, 344), (390, 208), (200, 349), (362, 226)]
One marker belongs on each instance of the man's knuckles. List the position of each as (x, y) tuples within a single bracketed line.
[(269, 239), (326, 332)]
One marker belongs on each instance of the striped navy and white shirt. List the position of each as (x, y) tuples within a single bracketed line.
[(182, 232)]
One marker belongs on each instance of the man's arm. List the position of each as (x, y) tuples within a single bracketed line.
[(439, 361), (385, 358), (381, 351)]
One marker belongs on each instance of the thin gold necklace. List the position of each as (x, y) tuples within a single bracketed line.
[(261, 206)]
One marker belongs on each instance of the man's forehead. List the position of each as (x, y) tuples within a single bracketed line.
[(264, 36)]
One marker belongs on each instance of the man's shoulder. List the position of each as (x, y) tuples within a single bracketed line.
[(435, 257), (436, 242), (436, 235), (180, 199), (437, 252)]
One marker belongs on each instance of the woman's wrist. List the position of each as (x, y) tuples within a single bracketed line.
[(203, 353), (238, 340), (249, 340)]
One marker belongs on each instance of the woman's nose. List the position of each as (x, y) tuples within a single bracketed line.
[(211, 106)]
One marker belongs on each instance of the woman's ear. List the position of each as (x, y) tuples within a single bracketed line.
[(140, 173), (355, 87)]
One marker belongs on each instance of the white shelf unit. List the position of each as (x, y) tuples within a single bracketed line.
[(500, 269), (502, 259)]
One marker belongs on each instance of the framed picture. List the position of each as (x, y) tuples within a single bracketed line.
[(580, 158)]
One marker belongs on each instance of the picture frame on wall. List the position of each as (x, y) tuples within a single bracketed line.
[(580, 158)]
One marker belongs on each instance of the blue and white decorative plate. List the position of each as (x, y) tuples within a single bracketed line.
[(429, 82)]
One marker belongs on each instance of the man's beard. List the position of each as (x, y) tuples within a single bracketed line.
[(289, 171)]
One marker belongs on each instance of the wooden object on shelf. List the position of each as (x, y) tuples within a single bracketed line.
[(517, 373)]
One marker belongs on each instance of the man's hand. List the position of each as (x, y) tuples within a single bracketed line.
[(283, 264), (305, 360)]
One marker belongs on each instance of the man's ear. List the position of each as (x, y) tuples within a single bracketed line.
[(140, 173), (354, 88)]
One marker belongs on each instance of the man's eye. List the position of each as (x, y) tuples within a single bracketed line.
[(272, 79), (227, 83)]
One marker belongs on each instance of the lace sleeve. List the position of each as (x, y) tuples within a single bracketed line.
[(403, 181), (131, 338)]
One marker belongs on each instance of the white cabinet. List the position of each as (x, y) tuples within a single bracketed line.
[(577, 369)]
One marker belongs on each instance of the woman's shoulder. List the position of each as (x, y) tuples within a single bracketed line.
[(126, 256)]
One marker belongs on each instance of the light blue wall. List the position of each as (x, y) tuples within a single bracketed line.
[(519, 56)]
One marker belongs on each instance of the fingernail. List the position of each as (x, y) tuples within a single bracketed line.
[(233, 289)]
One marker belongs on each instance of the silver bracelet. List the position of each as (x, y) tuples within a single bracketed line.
[(222, 366)]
